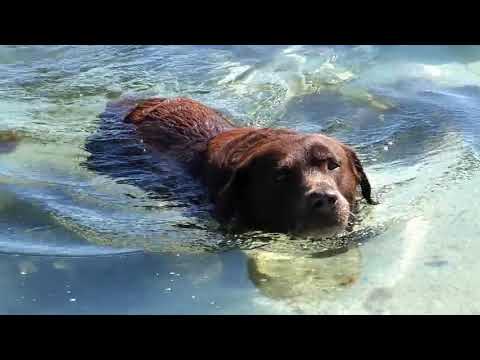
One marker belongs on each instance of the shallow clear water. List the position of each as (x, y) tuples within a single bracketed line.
[(87, 227)]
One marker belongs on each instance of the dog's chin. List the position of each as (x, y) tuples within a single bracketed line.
[(324, 229), (322, 232)]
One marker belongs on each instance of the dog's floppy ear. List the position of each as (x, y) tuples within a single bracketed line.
[(361, 176), (229, 197)]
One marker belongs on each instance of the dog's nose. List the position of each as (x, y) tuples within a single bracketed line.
[(323, 200)]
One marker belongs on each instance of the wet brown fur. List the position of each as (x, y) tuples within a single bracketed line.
[(225, 157)]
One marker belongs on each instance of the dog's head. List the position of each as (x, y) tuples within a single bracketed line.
[(295, 183)]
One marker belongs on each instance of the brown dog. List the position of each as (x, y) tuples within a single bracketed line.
[(270, 179)]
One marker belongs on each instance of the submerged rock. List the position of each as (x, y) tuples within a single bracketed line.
[(9, 140)]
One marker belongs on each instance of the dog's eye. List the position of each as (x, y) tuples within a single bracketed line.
[(332, 164), (282, 175)]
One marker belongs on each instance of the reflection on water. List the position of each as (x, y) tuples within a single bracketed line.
[(114, 230), (284, 276)]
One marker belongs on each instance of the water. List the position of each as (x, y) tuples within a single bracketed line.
[(87, 229)]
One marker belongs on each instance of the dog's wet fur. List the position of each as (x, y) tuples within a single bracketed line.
[(275, 180)]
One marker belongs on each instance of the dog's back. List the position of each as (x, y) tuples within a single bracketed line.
[(117, 150), (180, 126)]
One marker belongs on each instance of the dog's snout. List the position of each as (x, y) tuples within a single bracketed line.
[(323, 200)]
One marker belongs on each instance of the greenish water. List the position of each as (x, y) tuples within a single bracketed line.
[(87, 229)]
